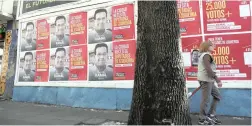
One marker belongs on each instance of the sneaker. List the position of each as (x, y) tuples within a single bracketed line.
[(205, 122), (214, 119)]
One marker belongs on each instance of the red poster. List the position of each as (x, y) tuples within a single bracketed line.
[(42, 66), (189, 17), (123, 22), (43, 34), (190, 47), (78, 63), (78, 28), (226, 16), (124, 60), (231, 55)]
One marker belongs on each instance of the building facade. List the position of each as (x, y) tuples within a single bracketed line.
[(82, 53)]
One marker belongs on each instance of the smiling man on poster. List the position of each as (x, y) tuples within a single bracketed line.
[(59, 73), (28, 42), (60, 38), (100, 71), (27, 75), (100, 33)]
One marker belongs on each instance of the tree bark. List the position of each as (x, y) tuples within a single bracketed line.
[(159, 96)]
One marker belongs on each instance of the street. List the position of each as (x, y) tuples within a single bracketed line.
[(15, 113)]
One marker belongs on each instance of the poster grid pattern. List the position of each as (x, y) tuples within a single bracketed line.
[(79, 46), (78, 42), (225, 23)]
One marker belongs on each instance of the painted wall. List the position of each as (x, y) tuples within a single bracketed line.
[(10, 75), (235, 102)]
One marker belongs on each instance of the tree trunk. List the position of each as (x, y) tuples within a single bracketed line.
[(159, 96)]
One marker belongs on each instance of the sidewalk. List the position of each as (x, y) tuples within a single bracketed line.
[(15, 113)]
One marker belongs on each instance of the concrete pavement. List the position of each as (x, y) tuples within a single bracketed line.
[(15, 113)]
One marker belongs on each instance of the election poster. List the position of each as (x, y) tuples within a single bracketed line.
[(123, 22), (97, 45), (78, 28), (190, 52), (59, 29), (78, 63), (229, 56), (99, 25), (226, 16), (189, 17), (42, 66), (28, 37), (43, 34), (100, 61), (59, 64), (27, 67), (124, 59)]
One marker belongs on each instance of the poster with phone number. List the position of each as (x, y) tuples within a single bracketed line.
[(68, 60)]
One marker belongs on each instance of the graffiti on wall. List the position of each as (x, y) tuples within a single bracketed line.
[(5, 62), (10, 75)]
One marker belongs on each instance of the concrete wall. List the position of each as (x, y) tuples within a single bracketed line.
[(235, 102)]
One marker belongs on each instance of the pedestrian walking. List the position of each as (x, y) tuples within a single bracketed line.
[(207, 77)]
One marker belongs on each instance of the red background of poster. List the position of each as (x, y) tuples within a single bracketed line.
[(81, 38), (237, 52), (43, 43), (189, 25), (42, 74), (127, 33), (80, 72), (188, 44), (127, 70), (232, 7)]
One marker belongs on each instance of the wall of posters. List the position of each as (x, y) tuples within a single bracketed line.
[(228, 25), (79, 46), (99, 44)]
